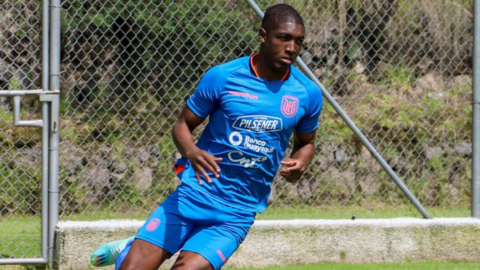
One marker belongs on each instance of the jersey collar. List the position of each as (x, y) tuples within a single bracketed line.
[(252, 67)]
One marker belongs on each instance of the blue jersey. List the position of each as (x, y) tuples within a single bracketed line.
[(250, 125)]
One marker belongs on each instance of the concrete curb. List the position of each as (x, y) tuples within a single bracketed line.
[(290, 242)]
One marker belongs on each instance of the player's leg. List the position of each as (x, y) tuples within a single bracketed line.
[(141, 255), (210, 246), (162, 235)]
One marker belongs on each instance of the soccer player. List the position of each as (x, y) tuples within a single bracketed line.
[(254, 105)]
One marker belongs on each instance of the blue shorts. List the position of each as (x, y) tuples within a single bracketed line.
[(192, 221)]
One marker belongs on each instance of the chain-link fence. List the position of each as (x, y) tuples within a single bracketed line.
[(20, 147), (400, 69)]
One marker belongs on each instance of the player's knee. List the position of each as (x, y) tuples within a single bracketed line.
[(191, 261), (182, 266)]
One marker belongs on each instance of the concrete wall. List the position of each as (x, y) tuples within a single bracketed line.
[(303, 241)]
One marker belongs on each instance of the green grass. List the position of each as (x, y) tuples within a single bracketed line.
[(346, 212), (20, 237), (341, 266), (304, 212), (378, 266)]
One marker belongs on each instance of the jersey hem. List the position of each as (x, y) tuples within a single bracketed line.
[(222, 201)]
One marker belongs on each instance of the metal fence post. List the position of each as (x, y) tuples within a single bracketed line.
[(45, 129), (476, 114), (55, 50)]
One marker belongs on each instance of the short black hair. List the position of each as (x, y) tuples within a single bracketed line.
[(281, 13)]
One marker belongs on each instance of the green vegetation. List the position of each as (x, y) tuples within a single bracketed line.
[(20, 194)]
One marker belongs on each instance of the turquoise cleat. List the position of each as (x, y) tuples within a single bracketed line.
[(107, 253)]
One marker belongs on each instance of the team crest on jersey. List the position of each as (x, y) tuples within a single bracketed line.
[(153, 224), (289, 106)]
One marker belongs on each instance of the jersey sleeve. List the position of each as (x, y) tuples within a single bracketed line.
[(207, 94), (309, 122)]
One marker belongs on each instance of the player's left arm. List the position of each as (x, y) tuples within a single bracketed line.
[(302, 154)]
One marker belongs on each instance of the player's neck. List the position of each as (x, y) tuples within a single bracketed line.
[(264, 71)]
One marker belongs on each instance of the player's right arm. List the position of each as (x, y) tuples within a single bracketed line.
[(182, 134)]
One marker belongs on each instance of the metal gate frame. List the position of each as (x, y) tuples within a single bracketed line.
[(49, 124), (49, 97)]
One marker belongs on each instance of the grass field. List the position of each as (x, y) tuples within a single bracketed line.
[(333, 266), (305, 212), (379, 266), (20, 237)]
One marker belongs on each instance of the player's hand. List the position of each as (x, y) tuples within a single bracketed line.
[(202, 161), (292, 169)]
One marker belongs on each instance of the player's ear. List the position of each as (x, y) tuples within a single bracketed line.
[(262, 35)]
